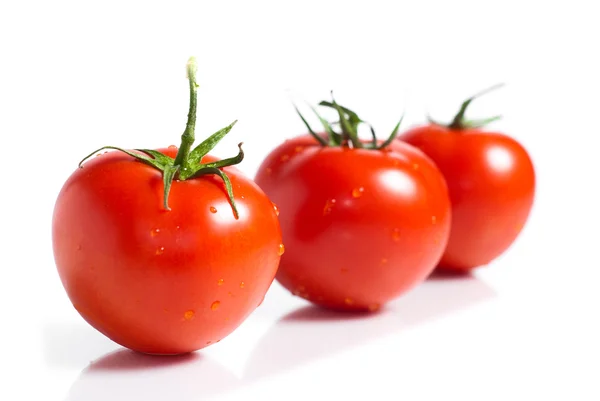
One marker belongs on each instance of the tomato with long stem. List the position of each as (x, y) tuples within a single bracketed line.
[(165, 251)]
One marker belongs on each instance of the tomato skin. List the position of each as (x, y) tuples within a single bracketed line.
[(384, 233), (158, 281), (491, 180)]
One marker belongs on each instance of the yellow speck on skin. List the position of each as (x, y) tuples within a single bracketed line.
[(188, 315), (357, 192), (220, 282), (242, 284), (215, 305)]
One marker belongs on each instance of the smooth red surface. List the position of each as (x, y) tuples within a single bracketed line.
[(491, 181), (360, 226), (157, 281)]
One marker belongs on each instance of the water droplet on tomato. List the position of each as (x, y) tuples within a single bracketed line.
[(281, 250), (213, 209), (160, 250), (348, 301), (357, 192), (154, 232), (415, 166), (276, 209), (396, 234), (328, 206), (172, 147), (99, 154), (177, 227), (384, 261), (215, 305), (220, 282), (284, 158), (299, 149), (374, 307), (189, 315), (433, 219), (242, 284), (269, 170)]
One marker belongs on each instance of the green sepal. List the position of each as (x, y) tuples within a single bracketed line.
[(393, 135), (335, 139), (322, 141), (141, 157), (226, 181), (348, 130), (161, 157), (481, 122), (168, 175), (196, 155), (226, 162)]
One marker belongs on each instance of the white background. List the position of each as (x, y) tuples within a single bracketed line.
[(78, 75)]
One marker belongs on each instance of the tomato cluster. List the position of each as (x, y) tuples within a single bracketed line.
[(166, 251)]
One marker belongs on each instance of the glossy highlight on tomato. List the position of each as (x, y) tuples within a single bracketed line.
[(491, 181), (360, 226)]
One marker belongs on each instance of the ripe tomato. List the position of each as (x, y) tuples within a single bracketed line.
[(164, 280), (361, 226), (491, 181)]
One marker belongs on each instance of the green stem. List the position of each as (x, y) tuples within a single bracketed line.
[(188, 136), (459, 120)]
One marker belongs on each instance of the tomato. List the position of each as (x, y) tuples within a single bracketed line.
[(361, 226), (158, 278), (491, 180)]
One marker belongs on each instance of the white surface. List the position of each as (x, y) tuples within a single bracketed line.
[(75, 76)]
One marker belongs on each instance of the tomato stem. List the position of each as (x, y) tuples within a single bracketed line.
[(189, 135), (459, 122)]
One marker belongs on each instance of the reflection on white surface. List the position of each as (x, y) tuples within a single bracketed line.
[(126, 376), (499, 158), (311, 333), (301, 336)]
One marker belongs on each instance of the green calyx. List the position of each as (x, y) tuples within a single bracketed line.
[(348, 128), (460, 122), (187, 164)]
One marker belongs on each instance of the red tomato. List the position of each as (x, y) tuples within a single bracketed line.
[(163, 280), (361, 226), (491, 181)]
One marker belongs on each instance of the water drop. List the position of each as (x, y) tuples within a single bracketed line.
[(357, 192), (160, 250), (396, 235), (269, 170), (328, 206), (299, 149), (281, 249), (384, 261), (348, 301), (215, 305), (242, 284), (172, 147), (220, 282), (177, 227), (285, 158), (415, 166), (276, 209), (154, 232), (213, 209), (433, 219), (189, 315)]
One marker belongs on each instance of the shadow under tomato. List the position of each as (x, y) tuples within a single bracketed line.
[(311, 333), (128, 375)]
